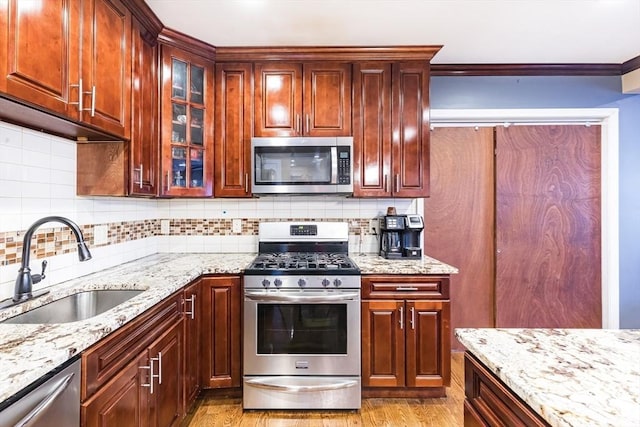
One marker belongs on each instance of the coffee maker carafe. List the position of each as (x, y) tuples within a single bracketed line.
[(400, 236)]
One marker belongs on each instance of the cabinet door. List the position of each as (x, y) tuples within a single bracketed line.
[(143, 176), (326, 107), (106, 65), (122, 401), (186, 124), (193, 319), (383, 343), (165, 403), (232, 156), (428, 357), (39, 46), (372, 129), (221, 332), (410, 129), (278, 99)]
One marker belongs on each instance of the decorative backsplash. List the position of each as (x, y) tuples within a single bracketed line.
[(48, 242)]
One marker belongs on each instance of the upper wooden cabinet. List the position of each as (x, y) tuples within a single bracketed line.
[(391, 129), (72, 58), (295, 99), (186, 136), (232, 129)]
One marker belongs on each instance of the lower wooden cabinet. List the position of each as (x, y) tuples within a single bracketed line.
[(134, 376), (406, 347), (488, 402), (221, 350)]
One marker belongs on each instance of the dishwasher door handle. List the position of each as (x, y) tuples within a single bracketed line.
[(41, 408)]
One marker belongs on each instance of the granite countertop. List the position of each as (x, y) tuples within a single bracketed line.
[(29, 351), (570, 377)]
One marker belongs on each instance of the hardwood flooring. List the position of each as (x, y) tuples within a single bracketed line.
[(441, 412)]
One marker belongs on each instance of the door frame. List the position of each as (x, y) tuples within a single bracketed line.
[(607, 118)]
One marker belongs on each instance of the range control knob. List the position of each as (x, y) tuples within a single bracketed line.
[(277, 283), (325, 282), (337, 282), (302, 283), (266, 283)]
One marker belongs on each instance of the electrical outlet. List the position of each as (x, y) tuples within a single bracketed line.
[(236, 226), (164, 226), (100, 235)]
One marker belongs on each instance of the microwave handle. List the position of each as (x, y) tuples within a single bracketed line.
[(334, 165)]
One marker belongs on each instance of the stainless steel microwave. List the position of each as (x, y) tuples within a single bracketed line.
[(302, 165)]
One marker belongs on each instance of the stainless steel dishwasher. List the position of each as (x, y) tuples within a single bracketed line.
[(53, 400)]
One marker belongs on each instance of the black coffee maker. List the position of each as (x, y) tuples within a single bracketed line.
[(400, 236)]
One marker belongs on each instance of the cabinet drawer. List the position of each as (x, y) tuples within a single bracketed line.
[(414, 287), (490, 402), (107, 357)]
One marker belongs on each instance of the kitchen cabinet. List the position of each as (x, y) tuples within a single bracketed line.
[(192, 307), (72, 58), (406, 341), (302, 99), (233, 119), (488, 401), (136, 372), (128, 168), (186, 136), (221, 353), (391, 129)]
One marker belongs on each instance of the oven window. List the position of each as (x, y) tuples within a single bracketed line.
[(293, 165), (302, 328)]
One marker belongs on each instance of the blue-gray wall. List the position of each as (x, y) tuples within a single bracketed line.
[(571, 92)]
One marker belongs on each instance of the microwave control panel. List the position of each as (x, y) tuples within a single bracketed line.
[(344, 165)]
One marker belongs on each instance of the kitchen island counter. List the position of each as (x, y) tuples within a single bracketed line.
[(569, 377), (374, 264)]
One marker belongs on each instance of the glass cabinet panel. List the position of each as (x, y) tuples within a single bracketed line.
[(197, 115), (196, 158), (179, 123), (197, 84), (178, 79), (178, 167)]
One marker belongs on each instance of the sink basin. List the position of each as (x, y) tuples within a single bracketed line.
[(72, 308)]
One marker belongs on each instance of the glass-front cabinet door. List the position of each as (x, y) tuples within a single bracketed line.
[(187, 124)]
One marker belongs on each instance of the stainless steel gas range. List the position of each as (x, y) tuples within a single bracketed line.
[(302, 319)]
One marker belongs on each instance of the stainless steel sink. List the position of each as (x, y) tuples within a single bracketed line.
[(72, 308)]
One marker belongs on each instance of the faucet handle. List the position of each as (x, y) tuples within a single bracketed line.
[(36, 278)]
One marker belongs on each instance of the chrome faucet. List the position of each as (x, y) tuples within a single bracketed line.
[(25, 280)]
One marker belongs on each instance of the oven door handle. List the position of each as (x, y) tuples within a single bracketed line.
[(266, 384), (280, 297)]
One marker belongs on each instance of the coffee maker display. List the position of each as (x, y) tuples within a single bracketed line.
[(400, 236)]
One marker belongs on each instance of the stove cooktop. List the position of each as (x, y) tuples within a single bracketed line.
[(303, 263)]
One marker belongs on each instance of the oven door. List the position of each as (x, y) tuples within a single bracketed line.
[(302, 332)]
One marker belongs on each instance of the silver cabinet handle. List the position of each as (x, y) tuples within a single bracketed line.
[(397, 183), (246, 182), (264, 383), (32, 417), (413, 318), (151, 369), (192, 311), (159, 367), (298, 124), (406, 288), (401, 317), (93, 100), (308, 124), (280, 297), (139, 169), (168, 180), (80, 95)]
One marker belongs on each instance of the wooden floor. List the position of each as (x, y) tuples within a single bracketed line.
[(442, 412)]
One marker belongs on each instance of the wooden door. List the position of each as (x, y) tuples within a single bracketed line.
[(278, 99), (221, 357), (232, 150), (548, 227), (428, 357), (166, 404), (383, 343), (39, 52), (410, 129), (106, 65), (122, 401), (460, 221), (192, 332), (144, 145), (327, 99), (371, 129)]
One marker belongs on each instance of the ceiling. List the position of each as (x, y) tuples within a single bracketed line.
[(471, 31)]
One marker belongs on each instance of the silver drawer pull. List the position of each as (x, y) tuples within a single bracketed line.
[(406, 288), (273, 297), (262, 383)]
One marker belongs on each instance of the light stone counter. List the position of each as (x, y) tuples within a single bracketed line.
[(29, 351), (374, 264), (570, 377)]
